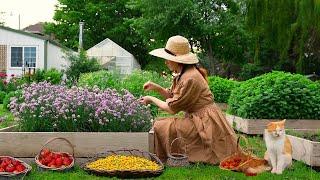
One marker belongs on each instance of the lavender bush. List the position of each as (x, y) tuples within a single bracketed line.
[(46, 107)]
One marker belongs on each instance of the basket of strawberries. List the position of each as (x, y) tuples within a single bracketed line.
[(244, 161), (56, 161), (10, 167)]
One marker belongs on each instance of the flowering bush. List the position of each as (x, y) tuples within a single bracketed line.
[(46, 107)]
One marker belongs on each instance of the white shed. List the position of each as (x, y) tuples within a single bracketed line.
[(19, 49), (112, 56)]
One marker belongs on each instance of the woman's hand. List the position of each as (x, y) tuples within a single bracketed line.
[(145, 100), (148, 86)]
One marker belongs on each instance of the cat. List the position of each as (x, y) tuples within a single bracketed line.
[(279, 149)]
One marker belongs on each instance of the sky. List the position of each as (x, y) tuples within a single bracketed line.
[(31, 12)]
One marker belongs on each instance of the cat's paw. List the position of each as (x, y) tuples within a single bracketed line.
[(278, 172), (274, 170)]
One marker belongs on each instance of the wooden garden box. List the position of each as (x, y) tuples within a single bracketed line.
[(257, 126), (86, 144)]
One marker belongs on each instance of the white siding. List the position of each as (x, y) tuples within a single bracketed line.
[(56, 57), (12, 39)]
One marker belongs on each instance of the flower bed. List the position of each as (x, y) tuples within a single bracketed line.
[(46, 107)]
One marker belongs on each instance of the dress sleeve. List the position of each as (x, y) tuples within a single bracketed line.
[(185, 94)]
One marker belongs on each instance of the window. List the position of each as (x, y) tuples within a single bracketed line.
[(16, 56), (23, 56)]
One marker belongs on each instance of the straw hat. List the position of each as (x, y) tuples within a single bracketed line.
[(178, 50)]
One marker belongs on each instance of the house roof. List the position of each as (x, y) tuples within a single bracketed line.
[(34, 36), (35, 28), (106, 41)]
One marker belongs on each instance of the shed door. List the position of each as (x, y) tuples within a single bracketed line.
[(3, 58)]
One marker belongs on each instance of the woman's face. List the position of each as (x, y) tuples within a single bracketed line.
[(173, 66)]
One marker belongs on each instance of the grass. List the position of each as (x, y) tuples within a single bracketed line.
[(197, 171), (7, 116)]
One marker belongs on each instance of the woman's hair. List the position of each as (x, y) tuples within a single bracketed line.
[(202, 70)]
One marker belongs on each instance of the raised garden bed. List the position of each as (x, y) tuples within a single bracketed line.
[(257, 126), (86, 144), (305, 146)]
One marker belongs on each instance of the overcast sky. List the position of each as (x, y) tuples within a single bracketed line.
[(31, 12)]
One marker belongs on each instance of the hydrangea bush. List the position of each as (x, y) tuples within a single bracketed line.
[(46, 107)]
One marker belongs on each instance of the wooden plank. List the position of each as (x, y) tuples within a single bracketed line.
[(305, 150), (257, 126), (86, 144), (151, 141)]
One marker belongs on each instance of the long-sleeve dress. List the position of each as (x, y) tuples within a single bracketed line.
[(205, 132)]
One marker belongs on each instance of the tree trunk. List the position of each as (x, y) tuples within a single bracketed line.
[(210, 57)]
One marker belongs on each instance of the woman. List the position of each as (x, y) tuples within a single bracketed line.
[(205, 132)]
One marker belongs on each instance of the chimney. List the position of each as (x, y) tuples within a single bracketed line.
[(81, 24)]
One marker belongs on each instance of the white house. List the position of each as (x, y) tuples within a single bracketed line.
[(112, 56), (19, 50)]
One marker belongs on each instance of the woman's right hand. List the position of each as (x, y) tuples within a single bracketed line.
[(148, 86)]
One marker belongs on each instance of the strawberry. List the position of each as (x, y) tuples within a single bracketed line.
[(20, 168), (3, 164), (59, 162), (1, 169), (10, 168), (67, 161), (52, 163)]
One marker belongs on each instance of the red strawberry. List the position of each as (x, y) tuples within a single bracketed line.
[(59, 162), (52, 163), (10, 168), (67, 161), (1, 169), (20, 168), (3, 164)]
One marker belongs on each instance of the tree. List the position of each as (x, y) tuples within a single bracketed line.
[(287, 34), (213, 27), (103, 19)]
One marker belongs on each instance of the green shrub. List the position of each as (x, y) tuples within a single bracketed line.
[(53, 76), (221, 88), (102, 79), (276, 95), (80, 63), (2, 96), (249, 71), (7, 98)]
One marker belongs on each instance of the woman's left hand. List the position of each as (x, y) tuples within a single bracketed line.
[(145, 100)]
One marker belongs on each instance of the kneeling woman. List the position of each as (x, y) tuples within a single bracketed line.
[(205, 132)]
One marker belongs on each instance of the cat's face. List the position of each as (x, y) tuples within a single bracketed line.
[(276, 129)]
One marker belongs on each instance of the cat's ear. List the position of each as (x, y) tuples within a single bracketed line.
[(283, 121)]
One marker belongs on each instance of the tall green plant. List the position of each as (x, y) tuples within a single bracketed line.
[(80, 63)]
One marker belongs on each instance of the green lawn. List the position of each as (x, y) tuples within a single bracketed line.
[(199, 171), (7, 116)]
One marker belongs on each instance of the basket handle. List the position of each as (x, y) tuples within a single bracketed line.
[(248, 150), (61, 138), (185, 147)]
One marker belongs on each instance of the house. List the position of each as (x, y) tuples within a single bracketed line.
[(20, 50), (112, 56), (35, 28)]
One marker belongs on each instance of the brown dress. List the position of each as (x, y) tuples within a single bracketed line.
[(206, 133)]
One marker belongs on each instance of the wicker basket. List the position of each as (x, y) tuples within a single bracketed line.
[(177, 159), (64, 168), (245, 155), (16, 175), (126, 173)]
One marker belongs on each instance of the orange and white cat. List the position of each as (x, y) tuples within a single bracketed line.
[(279, 149)]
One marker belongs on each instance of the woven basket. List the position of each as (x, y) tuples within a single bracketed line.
[(244, 154), (17, 175), (126, 173), (64, 168), (177, 159)]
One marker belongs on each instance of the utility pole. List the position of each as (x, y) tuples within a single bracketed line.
[(81, 24)]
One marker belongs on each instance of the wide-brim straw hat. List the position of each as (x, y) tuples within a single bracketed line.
[(178, 50)]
